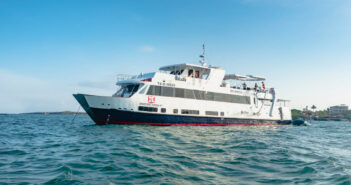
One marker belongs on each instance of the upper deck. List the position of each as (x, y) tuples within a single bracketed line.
[(198, 77), (205, 78)]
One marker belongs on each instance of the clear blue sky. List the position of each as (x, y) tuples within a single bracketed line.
[(51, 49)]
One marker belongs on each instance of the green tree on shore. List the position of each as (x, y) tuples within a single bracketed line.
[(313, 107), (322, 113), (296, 114)]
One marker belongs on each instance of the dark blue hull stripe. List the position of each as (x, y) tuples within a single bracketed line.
[(113, 116)]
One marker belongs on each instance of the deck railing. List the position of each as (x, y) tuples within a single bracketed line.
[(120, 77)]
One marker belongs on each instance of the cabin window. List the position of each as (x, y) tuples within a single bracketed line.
[(211, 113), (154, 90), (186, 111), (179, 93), (188, 93), (209, 96), (175, 111), (167, 91), (199, 95), (157, 90), (127, 91), (226, 97), (151, 90), (196, 94), (240, 99), (219, 97), (222, 113), (163, 110), (148, 109)]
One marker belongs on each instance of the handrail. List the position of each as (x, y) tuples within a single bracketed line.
[(120, 77)]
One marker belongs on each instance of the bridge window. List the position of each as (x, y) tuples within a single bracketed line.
[(142, 91), (127, 91)]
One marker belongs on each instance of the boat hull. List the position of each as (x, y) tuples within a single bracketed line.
[(113, 116)]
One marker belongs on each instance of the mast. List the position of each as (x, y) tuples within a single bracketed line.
[(202, 61)]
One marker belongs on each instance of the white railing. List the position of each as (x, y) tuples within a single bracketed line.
[(120, 77)]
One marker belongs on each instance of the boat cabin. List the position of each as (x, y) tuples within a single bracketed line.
[(211, 77)]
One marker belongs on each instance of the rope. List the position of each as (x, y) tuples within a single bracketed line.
[(75, 115)]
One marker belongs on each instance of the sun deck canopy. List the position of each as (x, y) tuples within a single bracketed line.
[(243, 78), (183, 66), (188, 70)]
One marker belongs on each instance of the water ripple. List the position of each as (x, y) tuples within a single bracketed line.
[(49, 149)]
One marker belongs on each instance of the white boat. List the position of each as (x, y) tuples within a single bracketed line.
[(188, 94)]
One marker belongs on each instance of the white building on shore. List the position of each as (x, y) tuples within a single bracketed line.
[(338, 109)]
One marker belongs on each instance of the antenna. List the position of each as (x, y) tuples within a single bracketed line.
[(202, 61)]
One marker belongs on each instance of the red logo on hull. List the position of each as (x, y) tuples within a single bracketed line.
[(151, 99)]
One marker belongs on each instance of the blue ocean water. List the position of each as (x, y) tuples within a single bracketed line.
[(50, 149)]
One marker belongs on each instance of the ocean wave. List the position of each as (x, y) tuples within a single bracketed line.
[(49, 149)]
